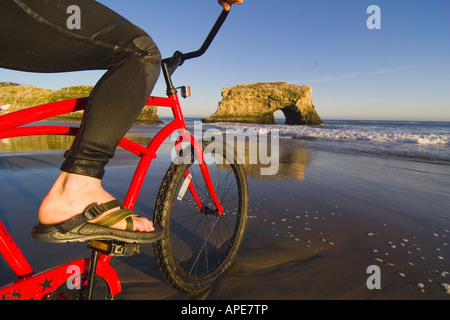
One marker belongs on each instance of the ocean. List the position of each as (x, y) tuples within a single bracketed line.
[(418, 140)]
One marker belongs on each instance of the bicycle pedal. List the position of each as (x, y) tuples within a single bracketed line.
[(115, 248)]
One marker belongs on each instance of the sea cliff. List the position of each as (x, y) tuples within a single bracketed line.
[(18, 97)]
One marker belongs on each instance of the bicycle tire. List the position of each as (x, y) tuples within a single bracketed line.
[(198, 247)]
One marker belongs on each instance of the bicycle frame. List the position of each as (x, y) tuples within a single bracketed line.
[(38, 286), (32, 286)]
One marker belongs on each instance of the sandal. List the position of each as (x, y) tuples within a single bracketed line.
[(81, 228)]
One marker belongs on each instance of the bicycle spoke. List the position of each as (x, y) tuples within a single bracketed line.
[(201, 244)]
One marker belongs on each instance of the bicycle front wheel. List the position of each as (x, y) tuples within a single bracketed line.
[(200, 244)]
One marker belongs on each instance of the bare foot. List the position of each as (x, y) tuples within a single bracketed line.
[(72, 194)]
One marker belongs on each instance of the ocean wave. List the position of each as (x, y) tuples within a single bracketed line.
[(380, 137), (373, 133), (418, 140)]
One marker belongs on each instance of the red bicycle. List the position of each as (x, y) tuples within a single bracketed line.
[(202, 204)]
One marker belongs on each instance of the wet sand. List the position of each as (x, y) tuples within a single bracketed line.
[(313, 229)]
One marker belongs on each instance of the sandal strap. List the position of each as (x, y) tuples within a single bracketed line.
[(115, 217), (94, 211)]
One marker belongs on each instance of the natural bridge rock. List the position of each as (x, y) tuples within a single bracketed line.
[(256, 103)]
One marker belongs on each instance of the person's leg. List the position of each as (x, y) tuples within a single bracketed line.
[(109, 42)]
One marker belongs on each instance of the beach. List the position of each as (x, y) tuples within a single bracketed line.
[(314, 228)]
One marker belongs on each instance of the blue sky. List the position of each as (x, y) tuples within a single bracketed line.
[(398, 72)]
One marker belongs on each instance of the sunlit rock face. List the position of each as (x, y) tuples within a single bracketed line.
[(256, 103)]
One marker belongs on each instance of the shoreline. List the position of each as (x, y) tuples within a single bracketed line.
[(347, 214), (312, 232)]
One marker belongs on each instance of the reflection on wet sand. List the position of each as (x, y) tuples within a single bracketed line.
[(33, 143), (292, 163), (51, 142)]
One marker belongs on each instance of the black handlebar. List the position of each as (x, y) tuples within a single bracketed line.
[(178, 58)]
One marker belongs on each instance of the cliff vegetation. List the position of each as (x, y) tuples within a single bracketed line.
[(16, 97)]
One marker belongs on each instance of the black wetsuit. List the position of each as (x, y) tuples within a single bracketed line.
[(35, 36)]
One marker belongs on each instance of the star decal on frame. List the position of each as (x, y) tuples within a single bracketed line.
[(46, 284)]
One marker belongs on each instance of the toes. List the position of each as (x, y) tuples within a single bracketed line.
[(143, 225)]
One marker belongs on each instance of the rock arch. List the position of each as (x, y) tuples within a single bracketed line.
[(256, 103)]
